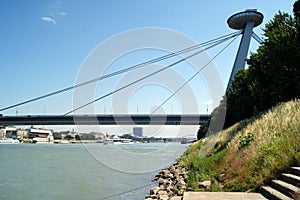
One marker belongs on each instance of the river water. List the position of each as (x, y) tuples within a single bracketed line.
[(82, 171)]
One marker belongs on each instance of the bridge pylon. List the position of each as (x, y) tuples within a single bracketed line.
[(245, 21)]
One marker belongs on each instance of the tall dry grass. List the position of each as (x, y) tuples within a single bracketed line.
[(275, 147), (250, 153)]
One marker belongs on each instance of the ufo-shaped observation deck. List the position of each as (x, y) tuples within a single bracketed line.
[(239, 20)]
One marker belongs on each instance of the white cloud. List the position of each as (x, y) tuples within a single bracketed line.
[(56, 12), (63, 13), (48, 19)]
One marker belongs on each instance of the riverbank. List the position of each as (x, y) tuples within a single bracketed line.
[(172, 183), (241, 158), (247, 155)]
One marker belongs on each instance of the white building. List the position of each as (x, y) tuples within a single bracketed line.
[(8, 132), (39, 135), (138, 131)]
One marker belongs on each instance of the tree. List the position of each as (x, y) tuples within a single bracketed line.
[(216, 121), (217, 118), (240, 103), (296, 10), (69, 137), (77, 137), (275, 67), (56, 136), (86, 136)]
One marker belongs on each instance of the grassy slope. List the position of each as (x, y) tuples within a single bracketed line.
[(248, 154)]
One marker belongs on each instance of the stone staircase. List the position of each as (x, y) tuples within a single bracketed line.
[(286, 188)]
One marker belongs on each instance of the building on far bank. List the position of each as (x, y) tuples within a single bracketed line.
[(21, 133), (8, 132), (98, 135), (39, 135), (138, 131)]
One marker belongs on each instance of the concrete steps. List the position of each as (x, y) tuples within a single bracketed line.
[(287, 188), (295, 171), (273, 194), (292, 179)]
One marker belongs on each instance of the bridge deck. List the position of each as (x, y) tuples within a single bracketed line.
[(105, 120)]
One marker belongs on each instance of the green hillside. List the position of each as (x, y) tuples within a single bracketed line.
[(247, 154)]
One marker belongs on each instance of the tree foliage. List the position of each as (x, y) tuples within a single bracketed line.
[(296, 10), (216, 121), (275, 68), (240, 101)]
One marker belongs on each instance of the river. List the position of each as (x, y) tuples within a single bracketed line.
[(82, 171)]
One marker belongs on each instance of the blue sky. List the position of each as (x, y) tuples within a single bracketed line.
[(44, 43)]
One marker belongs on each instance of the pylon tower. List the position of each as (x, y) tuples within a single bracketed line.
[(245, 21)]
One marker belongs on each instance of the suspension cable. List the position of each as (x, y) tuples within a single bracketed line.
[(186, 82), (149, 75), (121, 71), (147, 185)]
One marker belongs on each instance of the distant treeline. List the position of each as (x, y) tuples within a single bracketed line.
[(273, 75)]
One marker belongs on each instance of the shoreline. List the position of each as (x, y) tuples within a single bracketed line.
[(172, 183)]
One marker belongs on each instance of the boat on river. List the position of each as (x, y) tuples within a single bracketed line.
[(118, 140)]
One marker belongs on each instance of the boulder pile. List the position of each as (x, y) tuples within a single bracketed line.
[(172, 183)]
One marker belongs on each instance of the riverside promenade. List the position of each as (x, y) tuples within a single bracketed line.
[(220, 196)]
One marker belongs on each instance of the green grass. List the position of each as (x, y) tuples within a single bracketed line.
[(248, 154)]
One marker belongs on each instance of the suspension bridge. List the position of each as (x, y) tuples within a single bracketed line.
[(243, 22)]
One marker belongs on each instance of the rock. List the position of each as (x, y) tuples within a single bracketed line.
[(205, 184), (154, 190), (151, 197), (171, 181), (161, 183), (164, 197), (171, 175), (165, 172), (170, 187), (189, 189), (160, 179), (168, 183), (162, 192), (181, 182), (162, 187), (170, 194), (176, 171), (157, 177)]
